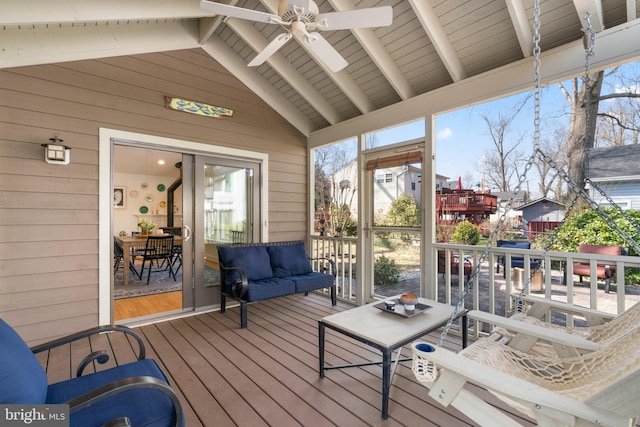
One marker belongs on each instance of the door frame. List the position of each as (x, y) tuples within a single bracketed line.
[(366, 219), (107, 138)]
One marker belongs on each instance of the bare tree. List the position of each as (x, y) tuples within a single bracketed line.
[(619, 120), (584, 101), (501, 165), (550, 185)]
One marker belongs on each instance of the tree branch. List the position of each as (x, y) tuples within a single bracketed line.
[(618, 122), (619, 95)]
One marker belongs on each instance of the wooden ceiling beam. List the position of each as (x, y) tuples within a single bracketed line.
[(279, 63), (35, 12), (378, 53), (342, 79), (594, 9), (222, 53), (523, 30), (440, 40), (45, 45)]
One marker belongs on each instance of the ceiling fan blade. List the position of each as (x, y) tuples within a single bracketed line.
[(327, 53), (238, 12), (271, 48), (358, 18)]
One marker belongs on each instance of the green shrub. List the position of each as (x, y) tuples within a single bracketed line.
[(385, 271), (589, 227), (466, 233)]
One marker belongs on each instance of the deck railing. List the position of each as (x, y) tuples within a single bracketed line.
[(549, 281)]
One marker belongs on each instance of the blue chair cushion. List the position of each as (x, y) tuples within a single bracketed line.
[(289, 260), (269, 288), (312, 281), (515, 245), (144, 407), (254, 260), (22, 378)]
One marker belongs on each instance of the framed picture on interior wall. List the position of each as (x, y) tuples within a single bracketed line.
[(119, 197)]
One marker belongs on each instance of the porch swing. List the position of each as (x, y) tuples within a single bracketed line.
[(590, 379)]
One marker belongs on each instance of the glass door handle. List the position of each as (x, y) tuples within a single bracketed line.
[(187, 233)]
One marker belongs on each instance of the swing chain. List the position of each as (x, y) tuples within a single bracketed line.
[(536, 74), (529, 164), (592, 204)]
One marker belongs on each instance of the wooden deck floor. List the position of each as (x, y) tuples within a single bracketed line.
[(268, 374)]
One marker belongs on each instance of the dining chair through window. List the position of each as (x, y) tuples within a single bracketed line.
[(118, 256), (158, 248), (177, 249)]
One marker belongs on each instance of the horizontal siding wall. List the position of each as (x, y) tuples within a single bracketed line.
[(49, 213)]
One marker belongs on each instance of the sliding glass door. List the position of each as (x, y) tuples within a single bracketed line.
[(226, 197)]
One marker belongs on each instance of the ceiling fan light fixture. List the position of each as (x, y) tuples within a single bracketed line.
[(299, 29)]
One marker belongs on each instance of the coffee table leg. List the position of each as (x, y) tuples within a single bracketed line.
[(321, 347), (386, 381)]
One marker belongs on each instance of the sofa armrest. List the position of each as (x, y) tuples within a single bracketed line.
[(121, 386), (239, 287), (90, 332), (324, 269)]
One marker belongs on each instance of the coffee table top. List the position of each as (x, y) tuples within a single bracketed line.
[(388, 329)]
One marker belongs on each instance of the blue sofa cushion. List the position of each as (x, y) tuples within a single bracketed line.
[(312, 281), (289, 260), (254, 260), (22, 379), (143, 407), (269, 288)]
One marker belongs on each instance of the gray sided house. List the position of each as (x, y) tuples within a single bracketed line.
[(615, 170), (540, 216)]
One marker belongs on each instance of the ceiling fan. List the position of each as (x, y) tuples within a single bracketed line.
[(302, 18)]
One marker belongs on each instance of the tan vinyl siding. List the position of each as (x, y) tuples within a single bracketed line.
[(49, 213)]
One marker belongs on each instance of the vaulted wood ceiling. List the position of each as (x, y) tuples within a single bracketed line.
[(430, 45)]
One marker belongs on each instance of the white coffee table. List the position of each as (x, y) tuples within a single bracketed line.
[(387, 332)]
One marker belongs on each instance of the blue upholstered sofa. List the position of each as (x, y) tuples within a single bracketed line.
[(259, 271), (136, 393), (516, 261)]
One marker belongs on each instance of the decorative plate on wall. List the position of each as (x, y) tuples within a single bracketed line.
[(149, 197), (163, 204), (133, 194), (144, 209), (144, 185), (161, 187)]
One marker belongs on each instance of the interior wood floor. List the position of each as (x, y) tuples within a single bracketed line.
[(129, 308), (267, 374)]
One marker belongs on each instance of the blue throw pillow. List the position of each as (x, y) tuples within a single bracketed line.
[(22, 379), (289, 260), (254, 260)]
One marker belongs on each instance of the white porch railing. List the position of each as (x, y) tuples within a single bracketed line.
[(548, 283)]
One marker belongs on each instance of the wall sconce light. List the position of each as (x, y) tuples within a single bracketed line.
[(56, 153)]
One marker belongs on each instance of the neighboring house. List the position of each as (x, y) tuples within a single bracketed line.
[(389, 184), (514, 214), (540, 216), (616, 171)]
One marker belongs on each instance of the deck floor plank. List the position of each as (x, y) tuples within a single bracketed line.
[(267, 374)]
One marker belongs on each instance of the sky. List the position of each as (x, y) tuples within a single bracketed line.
[(462, 137)]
